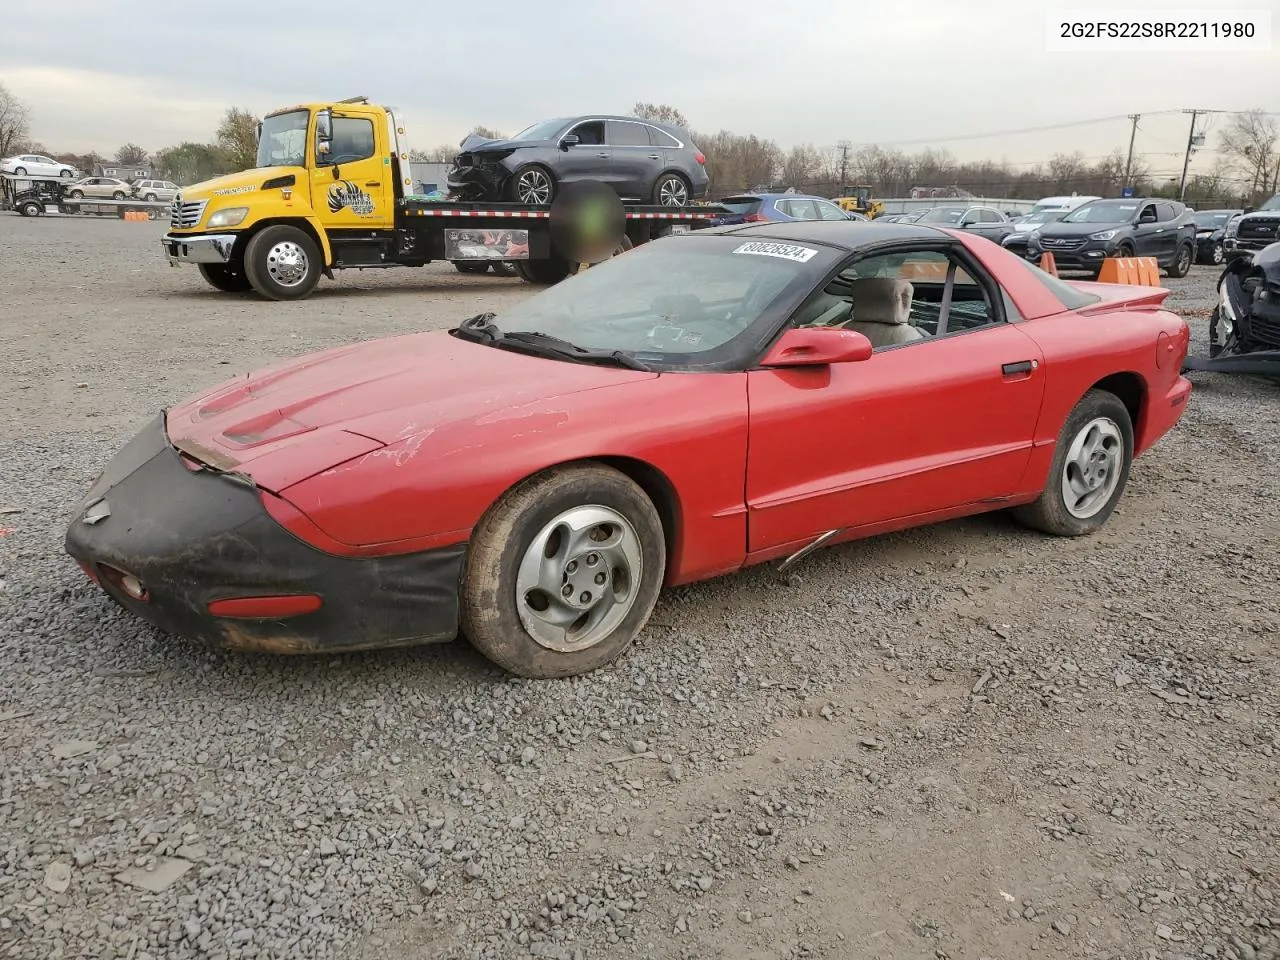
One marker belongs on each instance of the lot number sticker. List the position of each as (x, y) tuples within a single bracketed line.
[(787, 251)]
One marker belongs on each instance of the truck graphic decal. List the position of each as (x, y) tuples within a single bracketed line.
[(347, 194)]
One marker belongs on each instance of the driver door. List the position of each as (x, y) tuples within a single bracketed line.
[(1146, 232), (352, 185), (942, 421)]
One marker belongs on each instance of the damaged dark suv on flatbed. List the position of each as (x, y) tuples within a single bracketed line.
[(643, 160)]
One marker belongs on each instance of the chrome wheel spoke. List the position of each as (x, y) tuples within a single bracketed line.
[(1092, 467)]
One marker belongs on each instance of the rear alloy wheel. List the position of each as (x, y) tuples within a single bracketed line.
[(1181, 265), (229, 278), (282, 263), (671, 190), (532, 185), (563, 572), (1089, 472), (1218, 255)]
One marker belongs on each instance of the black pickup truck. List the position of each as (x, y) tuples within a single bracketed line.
[(1254, 231)]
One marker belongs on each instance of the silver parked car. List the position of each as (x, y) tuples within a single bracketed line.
[(100, 187), (36, 165), (155, 189)]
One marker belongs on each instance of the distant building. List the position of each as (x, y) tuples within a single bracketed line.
[(429, 177), (142, 171)]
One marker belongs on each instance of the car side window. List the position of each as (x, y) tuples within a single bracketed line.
[(829, 211), (589, 133), (660, 138), (352, 139), (625, 134), (901, 298), (1148, 214), (802, 209), (1166, 212)]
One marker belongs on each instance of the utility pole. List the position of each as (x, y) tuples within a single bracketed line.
[(844, 163), (1191, 145), (1133, 133)]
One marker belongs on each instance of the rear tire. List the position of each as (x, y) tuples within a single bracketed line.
[(282, 263), (542, 272), (1083, 490), (65, 174), (229, 278), (671, 190), (504, 268), (612, 570), (470, 266), (1182, 261)]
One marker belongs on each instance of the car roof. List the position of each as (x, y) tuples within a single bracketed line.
[(847, 235)]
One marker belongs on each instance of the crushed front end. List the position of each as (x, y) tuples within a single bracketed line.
[(1244, 329), (479, 175)]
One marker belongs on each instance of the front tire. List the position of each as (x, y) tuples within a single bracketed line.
[(65, 174), (532, 185), (77, 194), (19, 171), (31, 209), (1090, 469), (226, 277), (150, 198), (117, 195), (563, 572), (282, 263), (1181, 265), (1218, 255)]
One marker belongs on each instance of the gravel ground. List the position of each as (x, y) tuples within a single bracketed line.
[(966, 741)]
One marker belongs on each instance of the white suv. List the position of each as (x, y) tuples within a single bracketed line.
[(155, 189)]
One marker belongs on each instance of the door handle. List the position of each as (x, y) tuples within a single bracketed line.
[(373, 183), (654, 156), (605, 155), (1022, 366)]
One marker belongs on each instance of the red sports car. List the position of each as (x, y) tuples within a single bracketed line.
[(704, 402)]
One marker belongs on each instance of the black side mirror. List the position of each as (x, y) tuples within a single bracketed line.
[(571, 140)]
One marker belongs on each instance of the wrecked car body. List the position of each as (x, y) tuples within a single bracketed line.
[(1244, 329)]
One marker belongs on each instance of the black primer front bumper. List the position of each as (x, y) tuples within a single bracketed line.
[(194, 536)]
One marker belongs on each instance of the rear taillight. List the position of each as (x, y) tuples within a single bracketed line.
[(754, 218), (700, 158)]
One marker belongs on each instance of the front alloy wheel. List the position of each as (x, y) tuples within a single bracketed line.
[(534, 187)]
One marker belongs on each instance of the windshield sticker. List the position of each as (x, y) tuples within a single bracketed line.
[(787, 251)]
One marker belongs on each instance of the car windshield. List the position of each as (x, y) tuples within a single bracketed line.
[(1272, 204), (741, 204), (942, 215), (1210, 219), (673, 298), (540, 131), (1039, 216), (1102, 211), (283, 141)]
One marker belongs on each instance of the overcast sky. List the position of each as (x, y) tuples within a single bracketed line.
[(819, 71)]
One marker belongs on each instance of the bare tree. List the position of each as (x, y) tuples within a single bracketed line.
[(131, 155), (487, 132), (1249, 140), (443, 153), (802, 165), (15, 124), (661, 112), (237, 137)]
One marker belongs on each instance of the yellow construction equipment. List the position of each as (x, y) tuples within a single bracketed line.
[(858, 200)]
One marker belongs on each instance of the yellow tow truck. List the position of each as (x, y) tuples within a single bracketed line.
[(333, 190)]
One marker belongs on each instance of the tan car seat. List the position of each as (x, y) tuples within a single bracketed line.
[(882, 310)]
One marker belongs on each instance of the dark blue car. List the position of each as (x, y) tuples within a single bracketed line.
[(758, 207)]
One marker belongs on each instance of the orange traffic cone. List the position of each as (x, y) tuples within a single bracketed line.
[(1047, 264)]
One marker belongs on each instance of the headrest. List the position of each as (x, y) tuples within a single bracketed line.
[(881, 300)]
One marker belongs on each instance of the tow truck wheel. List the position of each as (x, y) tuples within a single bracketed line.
[(505, 268), (542, 272), (226, 277), (30, 209), (470, 266), (282, 263)]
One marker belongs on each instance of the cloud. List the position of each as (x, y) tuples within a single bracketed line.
[(816, 71)]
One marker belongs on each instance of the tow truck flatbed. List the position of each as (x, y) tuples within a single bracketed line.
[(45, 194)]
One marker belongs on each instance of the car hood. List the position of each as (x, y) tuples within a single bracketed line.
[(475, 143), (1060, 229), (286, 423), (246, 181)]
